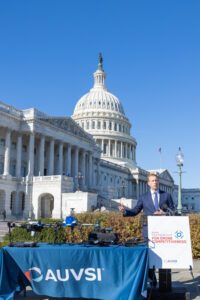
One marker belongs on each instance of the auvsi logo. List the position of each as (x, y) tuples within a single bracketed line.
[(88, 274), (34, 274), (179, 234)]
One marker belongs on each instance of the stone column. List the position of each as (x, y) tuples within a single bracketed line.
[(101, 124), (41, 156), (115, 148), (51, 157), (109, 148), (31, 155), (132, 153), (65, 161), (107, 125), (76, 162), (68, 160), (90, 170), (126, 150), (128, 154), (83, 168), (113, 125), (7, 153), (98, 174), (121, 149), (19, 156), (137, 189), (102, 145), (60, 159)]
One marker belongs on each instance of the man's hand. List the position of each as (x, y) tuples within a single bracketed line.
[(121, 208), (160, 212)]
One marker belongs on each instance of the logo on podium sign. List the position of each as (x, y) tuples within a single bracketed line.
[(169, 242)]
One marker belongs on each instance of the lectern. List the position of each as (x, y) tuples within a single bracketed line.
[(169, 248)]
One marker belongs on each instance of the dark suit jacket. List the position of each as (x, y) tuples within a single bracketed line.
[(146, 204)]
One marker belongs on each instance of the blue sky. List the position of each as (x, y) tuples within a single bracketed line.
[(49, 51)]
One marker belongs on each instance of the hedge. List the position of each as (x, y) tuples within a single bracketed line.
[(127, 228)]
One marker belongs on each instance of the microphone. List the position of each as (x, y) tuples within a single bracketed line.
[(169, 211)]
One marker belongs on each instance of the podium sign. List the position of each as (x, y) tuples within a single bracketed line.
[(169, 242)]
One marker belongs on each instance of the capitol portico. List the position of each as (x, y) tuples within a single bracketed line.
[(49, 164)]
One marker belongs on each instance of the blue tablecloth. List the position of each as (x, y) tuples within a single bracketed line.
[(75, 271)]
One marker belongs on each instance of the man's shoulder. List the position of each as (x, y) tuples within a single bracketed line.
[(145, 195), (164, 193)]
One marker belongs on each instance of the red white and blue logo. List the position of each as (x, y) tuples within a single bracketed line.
[(34, 274)]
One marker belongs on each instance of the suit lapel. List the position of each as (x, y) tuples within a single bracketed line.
[(161, 198), (151, 201)]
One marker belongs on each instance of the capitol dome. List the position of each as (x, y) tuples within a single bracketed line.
[(101, 114), (99, 99)]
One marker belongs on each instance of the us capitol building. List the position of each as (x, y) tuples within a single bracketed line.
[(50, 164)]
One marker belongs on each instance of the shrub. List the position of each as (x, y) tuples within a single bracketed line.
[(127, 228)]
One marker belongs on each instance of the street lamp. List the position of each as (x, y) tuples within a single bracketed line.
[(179, 161)]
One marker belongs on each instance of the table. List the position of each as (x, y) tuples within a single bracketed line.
[(75, 271)]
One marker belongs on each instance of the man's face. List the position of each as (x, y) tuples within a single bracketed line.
[(153, 182)]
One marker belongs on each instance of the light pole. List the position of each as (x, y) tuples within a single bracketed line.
[(179, 161)]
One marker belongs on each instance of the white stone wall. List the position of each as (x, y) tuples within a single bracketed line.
[(80, 201), (50, 185)]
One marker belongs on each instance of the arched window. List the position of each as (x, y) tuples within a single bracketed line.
[(1, 167), (104, 148), (11, 201), (2, 143), (23, 201)]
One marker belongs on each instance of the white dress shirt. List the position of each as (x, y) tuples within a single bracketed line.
[(153, 196)]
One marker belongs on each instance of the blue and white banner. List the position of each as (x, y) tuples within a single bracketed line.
[(114, 273)]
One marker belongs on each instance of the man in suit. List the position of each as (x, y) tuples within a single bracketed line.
[(154, 202)]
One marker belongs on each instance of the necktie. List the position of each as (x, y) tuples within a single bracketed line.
[(156, 201)]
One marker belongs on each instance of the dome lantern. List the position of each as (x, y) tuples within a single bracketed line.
[(99, 75)]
